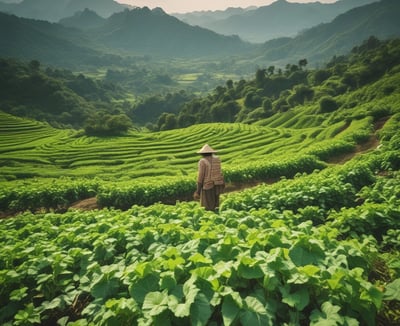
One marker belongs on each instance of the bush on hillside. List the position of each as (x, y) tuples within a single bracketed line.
[(327, 104), (104, 124)]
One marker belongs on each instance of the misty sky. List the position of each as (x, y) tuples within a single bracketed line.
[(174, 6)]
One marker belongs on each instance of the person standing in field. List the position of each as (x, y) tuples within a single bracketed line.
[(210, 180)]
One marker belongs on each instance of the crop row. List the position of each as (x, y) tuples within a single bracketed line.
[(61, 192), (42, 151), (331, 188), (181, 265)]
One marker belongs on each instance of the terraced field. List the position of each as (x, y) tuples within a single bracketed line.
[(33, 149)]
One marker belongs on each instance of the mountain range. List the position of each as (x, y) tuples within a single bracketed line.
[(281, 18), (154, 32), (54, 10), (87, 38), (317, 44), (49, 43)]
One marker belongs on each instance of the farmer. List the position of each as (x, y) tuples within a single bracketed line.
[(210, 181)]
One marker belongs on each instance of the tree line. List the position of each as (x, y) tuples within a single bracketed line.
[(275, 90)]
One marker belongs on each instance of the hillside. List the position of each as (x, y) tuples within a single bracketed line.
[(59, 97), (152, 34), (54, 10), (122, 37), (51, 43), (155, 33), (339, 36), (277, 93), (86, 19), (204, 18), (281, 18)]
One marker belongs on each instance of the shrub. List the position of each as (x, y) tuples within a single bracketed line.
[(327, 104)]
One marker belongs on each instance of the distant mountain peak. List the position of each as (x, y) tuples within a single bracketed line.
[(87, 13), (83, 19), (159, 10), (280, 2)]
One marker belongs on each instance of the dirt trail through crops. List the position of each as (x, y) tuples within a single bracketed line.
[(372, 143)]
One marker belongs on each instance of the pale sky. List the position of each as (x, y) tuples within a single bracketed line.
[(175, 6)]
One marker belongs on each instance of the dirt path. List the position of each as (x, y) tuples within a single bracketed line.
[(372, 143)]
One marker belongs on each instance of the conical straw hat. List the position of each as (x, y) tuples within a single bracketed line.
[(206, 149)]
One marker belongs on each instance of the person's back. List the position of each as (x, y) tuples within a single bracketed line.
[(216, 173), (210, 180)]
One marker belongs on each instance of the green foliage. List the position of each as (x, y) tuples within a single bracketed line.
[(355, 80), (52, 95), (291, 252), (306, 250), (103, 124), (180, 264), (327, 104)]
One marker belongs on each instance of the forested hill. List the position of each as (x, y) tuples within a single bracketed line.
[(48, 42), (86, 19), (154, 32), (344, 85), (139, 31), (279, 19), (64, 98), (380, 19), (56, 96), (54, 10)]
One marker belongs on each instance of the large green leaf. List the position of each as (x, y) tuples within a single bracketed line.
[(198, 258), (297, 299), (392, 290), (230, 310), (155, 303), (329, 316), (249, 268), (104, 287), (306, 252), (200, 310), (182, 309), (254, 313), (167, 280), (140, 288)]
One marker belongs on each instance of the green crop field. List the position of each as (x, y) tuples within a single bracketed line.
[(321, 245), (35, 155), (307, 232)]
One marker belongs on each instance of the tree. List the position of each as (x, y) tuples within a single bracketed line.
[(167, 121), (267, 104), (327, 104), (105, 124), (320, 76), (258, 114), (186, 120), (260, 77), (225, 112), (252, 100), (303, 63), (300, 94), (271, 70)]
